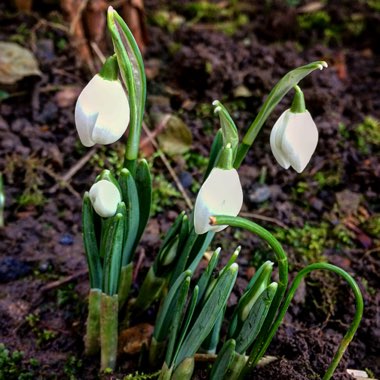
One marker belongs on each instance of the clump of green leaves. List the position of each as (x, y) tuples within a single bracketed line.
[(72, 367), (163, 194), (13, 366)]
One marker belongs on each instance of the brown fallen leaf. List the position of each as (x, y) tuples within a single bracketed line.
[(95, 20), (16, 62), (134, 15), (24, 5), (132, 339), (67, 96)]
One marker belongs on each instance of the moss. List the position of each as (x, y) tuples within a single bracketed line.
[(13, 365), (368, 135)]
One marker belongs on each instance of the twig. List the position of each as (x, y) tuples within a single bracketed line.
[(168, 166), (263, 217), (64, 281), (97, 51), (65, 179)]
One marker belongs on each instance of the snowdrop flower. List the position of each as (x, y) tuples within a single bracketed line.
[(220, 194), (294, 136), (102, 109), (104, 196)]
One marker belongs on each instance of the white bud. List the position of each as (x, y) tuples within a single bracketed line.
[(101, 112), (105, 197), (293, 140), (221, 194)]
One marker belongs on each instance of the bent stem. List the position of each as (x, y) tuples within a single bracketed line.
[(275, 96), (282, 269), (351, 331)]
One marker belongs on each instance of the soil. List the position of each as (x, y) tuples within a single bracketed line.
[(43, 275)]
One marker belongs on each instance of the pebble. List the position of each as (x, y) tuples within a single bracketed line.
[(66, 239)]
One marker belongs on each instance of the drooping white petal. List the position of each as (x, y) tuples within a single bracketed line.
[(221, 194), (102, 112), (276, 139), (299, 139), (104, 196)]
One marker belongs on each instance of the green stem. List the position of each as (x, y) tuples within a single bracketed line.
[(349, 334), (274, 97), (282, 269)]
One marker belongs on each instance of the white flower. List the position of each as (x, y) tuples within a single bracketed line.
[(101, 112), (221, 194), (293, 139), (104, 196)]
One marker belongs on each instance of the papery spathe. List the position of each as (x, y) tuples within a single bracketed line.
[(293, 139), (105, 197), (221, 194), (101, 112)]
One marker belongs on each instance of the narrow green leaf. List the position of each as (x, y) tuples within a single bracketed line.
[(150, 291), (230, 132), (188, 320), (165, 314), (256, 285), (210, 344), (133, 74), (178, 313), (125, 283), (208, 316), (143, 182), (204, 280), (114, 248), (223, 361), (90, 244), (256, 317), (198, 250), (131, 200), (216, 148)]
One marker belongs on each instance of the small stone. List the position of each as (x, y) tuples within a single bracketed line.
[(66, 239), (259, 194), (186, 179)]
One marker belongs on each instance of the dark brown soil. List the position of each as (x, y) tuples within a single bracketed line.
[(43, 279)]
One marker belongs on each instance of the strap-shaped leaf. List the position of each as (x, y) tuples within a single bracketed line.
[(210, 344), (216, 148), (113, 251), (125, 283), (230, 132), (223, 361), (90, 244), (165, 315), (150, 290), (143, 181), (132, 71), (256, 285), (198, 250), (131, 200), (188, 319), (204, 280), (182, 260), (255, 319), (275, 96), (208, 316), (177, 317)]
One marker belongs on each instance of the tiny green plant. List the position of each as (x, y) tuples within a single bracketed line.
[(117, 207)]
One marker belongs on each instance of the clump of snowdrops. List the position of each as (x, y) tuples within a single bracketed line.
[(116, 211)]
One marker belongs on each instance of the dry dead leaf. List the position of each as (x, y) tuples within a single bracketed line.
[(132, 339), (16, 63), (67, 96), (176, 137)]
